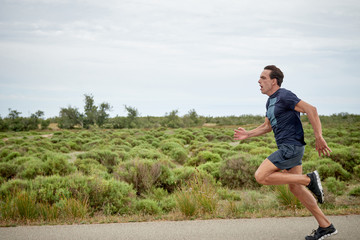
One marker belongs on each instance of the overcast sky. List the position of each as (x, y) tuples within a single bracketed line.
[(161, 55)]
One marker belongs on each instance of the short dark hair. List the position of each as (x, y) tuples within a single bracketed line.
[(275, 73)]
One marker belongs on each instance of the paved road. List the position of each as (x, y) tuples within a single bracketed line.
[(249, 229)]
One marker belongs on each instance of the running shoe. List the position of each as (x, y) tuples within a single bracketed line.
[(322, 233), (315, 186)]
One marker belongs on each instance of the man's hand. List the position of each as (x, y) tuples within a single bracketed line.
[(240, 134), (322, 147)]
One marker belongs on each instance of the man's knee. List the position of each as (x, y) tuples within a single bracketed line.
[(260, 177)]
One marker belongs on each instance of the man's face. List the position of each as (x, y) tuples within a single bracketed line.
[(266, 84)]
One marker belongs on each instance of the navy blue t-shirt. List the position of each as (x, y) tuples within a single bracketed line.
[(285, 121)]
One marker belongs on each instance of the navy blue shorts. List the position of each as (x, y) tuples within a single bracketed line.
[(288, 156)]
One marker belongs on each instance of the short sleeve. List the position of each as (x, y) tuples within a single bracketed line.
[(290, 100)]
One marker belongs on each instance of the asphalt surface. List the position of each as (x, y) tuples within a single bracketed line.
[(264, 228)]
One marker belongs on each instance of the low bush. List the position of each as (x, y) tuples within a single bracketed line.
[(90, 166), (238, 171), (357, 171), (32, 168), (55, 163), (145, 152), (213, 168), (105, 157), (8, 170), (185, 174), (12, 186), (327, 168), (228, 194), (204, 157), (174, 150), (335, 186), (348, 157), (147, 206), (146, 174), (355, 192), (109, 196), (11, 156)]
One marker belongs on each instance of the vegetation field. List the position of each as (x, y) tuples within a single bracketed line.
[(120, 175)]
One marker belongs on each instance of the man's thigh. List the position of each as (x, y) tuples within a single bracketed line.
[(266, 168), (295, 170)]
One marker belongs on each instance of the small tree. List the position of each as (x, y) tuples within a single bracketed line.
[(102, 114), (4, 125), (69, 117), (95, 114), (90, 111), (15, 121), (172, 120), (191, 119), (132, 116)]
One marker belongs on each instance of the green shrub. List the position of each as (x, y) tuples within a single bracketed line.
[(212, 168), (348, 157), (355, 192), (13, 186), (110, 196), (8, 170), (11, 156), (32, 168), (4, 153), (146, 174), (335, 186), (238, 171), (164, 200), (147, 206), (105, 157), (204, 157), (174, 150), (145, 152), (357, 171), (90, 166), (185, 174), (228, 194), (55, 163), (167, 204), (327, 168)]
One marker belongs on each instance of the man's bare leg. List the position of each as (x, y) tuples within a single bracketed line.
[(307, 199), (269, 174)]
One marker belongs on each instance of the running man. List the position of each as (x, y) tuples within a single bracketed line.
[(284, 166)]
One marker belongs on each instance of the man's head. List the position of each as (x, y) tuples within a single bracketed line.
[(270, 80), (275, 73)]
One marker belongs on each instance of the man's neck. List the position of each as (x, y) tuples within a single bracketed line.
[(273, 90)]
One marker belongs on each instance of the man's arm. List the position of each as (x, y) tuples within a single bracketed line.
[(242, 134), (320, 143)]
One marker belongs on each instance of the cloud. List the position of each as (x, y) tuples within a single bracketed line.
[(159, 54)]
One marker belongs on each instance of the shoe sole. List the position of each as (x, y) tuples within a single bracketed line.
[(318, 181), (328, 235)]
